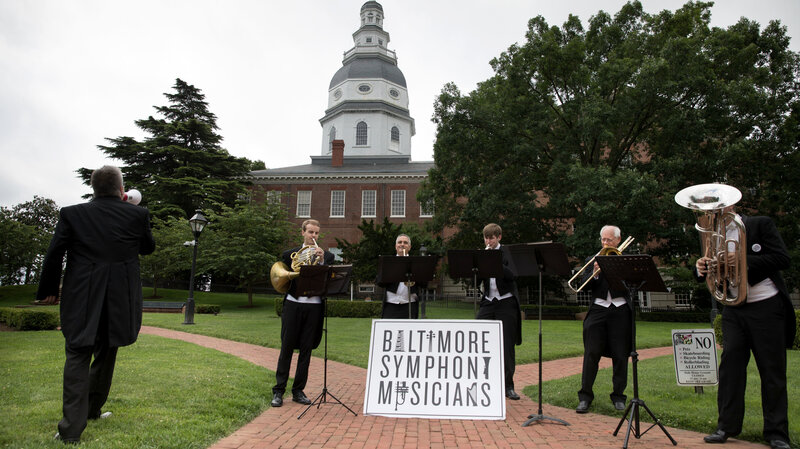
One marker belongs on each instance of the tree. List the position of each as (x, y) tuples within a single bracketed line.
[(377, 240), (244, 242), (181, 167), (26, 232), (580, 128), (171, 256)]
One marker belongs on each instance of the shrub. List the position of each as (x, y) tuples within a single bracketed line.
[(207, 308), (346, 308), (29, 319), (676, 316)]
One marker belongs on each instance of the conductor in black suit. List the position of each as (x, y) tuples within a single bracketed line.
[(301, 322), (764, 324), (499, 302), (399, 296), (101, 297), (606, 332)]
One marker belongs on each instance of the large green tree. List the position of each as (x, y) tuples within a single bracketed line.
[(172, 254), (580, 127), (181, 166), (25, 233), (242, 243)]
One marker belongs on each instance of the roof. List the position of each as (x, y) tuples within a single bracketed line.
[(370, 67), (354, 166)]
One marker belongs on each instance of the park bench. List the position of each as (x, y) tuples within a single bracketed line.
[(163, 306)]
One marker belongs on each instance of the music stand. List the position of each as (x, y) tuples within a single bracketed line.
[(533, 259), (333, 280), (407, 269), (634, 273), (475, 263)]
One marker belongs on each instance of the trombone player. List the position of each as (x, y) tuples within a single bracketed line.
[(764, 324), (301, 320), (400, 300), (606, 331)]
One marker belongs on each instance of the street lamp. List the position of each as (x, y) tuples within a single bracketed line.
[(198, 222)]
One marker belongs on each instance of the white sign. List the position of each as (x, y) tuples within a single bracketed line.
[(437, 369), (695, 357)]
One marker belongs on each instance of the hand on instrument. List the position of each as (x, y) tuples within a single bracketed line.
[(702, 265), (319, 252)]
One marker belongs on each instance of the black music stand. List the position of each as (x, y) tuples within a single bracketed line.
[(475, 264), (325, 280), (634, 273), (533, 259), (418, 269)]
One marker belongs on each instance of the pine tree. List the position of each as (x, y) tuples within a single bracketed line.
[(181, 166)]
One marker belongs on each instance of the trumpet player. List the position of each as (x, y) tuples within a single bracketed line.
[(499, 302), (763, 324), (301, 321), (606, 331), (400, 299)]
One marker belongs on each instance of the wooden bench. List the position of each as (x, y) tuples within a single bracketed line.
[(163, 306)]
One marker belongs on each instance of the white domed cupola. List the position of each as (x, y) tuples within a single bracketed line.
[(368, 96)]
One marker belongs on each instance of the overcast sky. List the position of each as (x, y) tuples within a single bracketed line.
[(73, 73)]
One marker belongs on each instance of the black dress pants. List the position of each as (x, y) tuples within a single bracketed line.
[(298, 330), (606, 331), (756, 327), (400, 311), (507, 311), (86, 387)]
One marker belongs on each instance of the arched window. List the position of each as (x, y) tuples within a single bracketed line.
[(331, 138), (395, 134), (361, 133)]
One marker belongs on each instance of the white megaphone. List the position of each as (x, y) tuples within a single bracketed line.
[(132, 196)]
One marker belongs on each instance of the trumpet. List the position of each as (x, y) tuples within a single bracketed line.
[(606, 251), (280, 275)]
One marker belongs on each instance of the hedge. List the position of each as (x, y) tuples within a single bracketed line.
[(29, 319), (346, 308), (674, 317), (552, 312), (207, 308), (795, 345)]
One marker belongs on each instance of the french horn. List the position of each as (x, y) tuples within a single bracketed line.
[(281, 276)]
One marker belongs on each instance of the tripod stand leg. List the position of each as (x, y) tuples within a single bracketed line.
[(533, 419)]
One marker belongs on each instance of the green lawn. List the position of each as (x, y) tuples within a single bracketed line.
[(166, 394), (674, 405), (348, 343)]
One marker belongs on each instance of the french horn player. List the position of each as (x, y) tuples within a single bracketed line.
[(761, 321), (301, 319)]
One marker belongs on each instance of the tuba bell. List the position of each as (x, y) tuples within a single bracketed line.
[(727, 271), (281, 276)]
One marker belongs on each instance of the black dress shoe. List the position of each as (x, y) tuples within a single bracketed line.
[(583, 407), (277, 400), (301, 398), (719, 436), (58, 438), (779, 444), (619, 405), (511, 394)]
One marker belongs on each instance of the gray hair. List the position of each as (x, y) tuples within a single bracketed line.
[(617, 232), (106, 181), (403, 235)]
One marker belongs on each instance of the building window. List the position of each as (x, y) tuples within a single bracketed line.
[(331, 138), (364, 88), (395, 134), (398, 203), (426, 209), (337, 203), (304, 204), (394, 93), (369, 40), (368, 205), (361, 133), (273, 197)]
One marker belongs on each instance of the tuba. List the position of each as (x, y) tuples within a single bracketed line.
[(280, 275), (727, 271)]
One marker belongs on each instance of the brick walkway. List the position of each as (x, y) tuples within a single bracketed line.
[(332, 426)]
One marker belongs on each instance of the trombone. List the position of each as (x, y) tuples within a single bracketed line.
[(606, 251)]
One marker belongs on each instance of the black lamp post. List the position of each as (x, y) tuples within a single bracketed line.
[(198, 222)]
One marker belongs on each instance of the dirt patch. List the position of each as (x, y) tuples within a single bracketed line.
[(4, 328)]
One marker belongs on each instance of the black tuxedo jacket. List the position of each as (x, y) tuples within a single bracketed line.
[(102, 240), (766, 256), (506, 284), (328, 259)]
